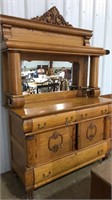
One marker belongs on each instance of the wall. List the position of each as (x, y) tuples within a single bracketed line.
[(87, 14)]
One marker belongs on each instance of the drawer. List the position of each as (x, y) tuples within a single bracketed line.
[(50, 121), (50, 145), (90, 132), (60, 167), (91, 112)]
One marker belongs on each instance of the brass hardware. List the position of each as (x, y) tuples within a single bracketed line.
[(30, 137), (68, 121), (55, 136), (46, 176), (104, 111), (83, 116), (100, 152), (41, 126), (91, 131)]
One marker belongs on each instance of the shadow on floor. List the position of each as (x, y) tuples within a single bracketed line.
[(78, 190), (67, 187)]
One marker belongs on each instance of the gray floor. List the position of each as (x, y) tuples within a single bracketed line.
[(76, 185)]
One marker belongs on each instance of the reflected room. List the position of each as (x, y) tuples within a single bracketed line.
[(45, 76)]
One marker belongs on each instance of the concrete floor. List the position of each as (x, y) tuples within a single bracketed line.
[(76, 185)]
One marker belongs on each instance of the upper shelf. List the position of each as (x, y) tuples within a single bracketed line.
[(46, 35)]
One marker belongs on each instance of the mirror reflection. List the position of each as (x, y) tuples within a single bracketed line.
[(45, 76)]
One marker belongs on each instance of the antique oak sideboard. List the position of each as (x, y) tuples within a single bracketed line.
[(53, 133)]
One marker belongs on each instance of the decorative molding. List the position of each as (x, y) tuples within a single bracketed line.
[(52, 16)]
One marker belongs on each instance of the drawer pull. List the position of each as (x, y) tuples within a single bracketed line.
[(83, 116), (91, 131), (104, 111), (100, 152), (41, 126), (55, 147), (68, 121), (47, 175)]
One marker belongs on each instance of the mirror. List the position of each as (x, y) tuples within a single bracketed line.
[(45, 76)]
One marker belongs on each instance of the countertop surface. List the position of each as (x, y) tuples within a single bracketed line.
[(58, 106)]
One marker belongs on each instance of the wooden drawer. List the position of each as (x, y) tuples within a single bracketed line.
[(60, 167), (50, 121), (91, 112), (50, 144), (90, 132)]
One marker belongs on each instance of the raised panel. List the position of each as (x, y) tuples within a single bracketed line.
[(52, 144), (90, 132)]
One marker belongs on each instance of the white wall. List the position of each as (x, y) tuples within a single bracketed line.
[(87, 14)]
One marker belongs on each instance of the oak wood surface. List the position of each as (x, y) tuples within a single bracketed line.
[(90, 132), (57, 106), (48, 172)]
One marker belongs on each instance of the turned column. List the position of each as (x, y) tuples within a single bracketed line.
[(94, 62), (14, 67)]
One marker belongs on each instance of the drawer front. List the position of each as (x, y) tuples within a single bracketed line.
[(91, 112), (50, 121), (58, 168), (90, 132), (50, 144)]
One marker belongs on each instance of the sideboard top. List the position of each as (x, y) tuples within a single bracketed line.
[(57, 106)]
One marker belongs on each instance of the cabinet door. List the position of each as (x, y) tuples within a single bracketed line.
[(50, 145), (90, 132)]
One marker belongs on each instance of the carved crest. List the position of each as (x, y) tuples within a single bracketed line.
[(52, 16)]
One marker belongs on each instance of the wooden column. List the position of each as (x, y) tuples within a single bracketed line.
[(79, 71), (83, 71), (75, 74), (14, 73), (94, 61)]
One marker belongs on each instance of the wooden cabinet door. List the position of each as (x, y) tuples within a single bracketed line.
[(50, 145), (90, 132)]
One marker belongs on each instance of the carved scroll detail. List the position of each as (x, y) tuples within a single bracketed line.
[(91, 131), (53, 137), (52, 16)]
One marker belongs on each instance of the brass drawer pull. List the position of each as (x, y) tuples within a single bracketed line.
[(100, 152), (104, 111), (68, 121), (83, 116), (47, 175), (91, 131), (41, 126), (55, 147)]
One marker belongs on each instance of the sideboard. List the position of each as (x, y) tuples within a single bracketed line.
[(53, 133)]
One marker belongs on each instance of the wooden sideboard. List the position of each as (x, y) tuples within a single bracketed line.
[(55, 133)]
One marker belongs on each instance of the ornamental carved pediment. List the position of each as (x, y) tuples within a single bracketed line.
[(52, 16)]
